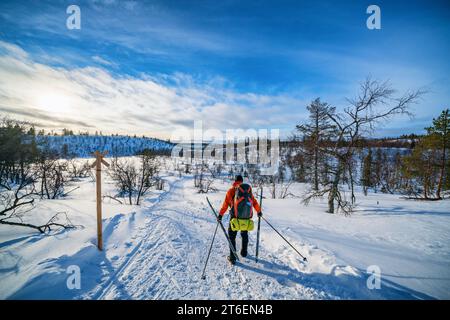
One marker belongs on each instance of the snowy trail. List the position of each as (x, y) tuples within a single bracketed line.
[(145, 273), (167, 263)]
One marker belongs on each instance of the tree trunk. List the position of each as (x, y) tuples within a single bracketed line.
[(331, 197), (352, 184), (442, 173), (316, 154), (130, 194), (334, 189), (316, 167)]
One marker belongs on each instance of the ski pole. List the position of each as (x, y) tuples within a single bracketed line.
[(223, 229), (304, 258), (209, 252), (259, 227)]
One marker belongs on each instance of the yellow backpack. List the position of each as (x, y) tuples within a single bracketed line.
[(241, 224)]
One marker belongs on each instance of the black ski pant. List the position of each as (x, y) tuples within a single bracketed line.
[(232, 234)]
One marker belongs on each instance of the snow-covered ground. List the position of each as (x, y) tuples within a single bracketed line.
[(157, 250)]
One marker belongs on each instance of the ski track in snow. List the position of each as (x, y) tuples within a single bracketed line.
[(168, 261)]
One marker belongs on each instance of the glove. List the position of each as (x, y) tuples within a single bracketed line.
[(219, 218), (259, 214)]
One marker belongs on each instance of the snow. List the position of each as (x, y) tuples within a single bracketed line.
[(157, 250)]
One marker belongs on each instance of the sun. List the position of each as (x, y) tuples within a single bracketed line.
[(51, 101)]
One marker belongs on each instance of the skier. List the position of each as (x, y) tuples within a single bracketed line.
[(240, 200)]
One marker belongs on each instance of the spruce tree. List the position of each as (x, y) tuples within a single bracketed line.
[(315, 132), (441, 133)]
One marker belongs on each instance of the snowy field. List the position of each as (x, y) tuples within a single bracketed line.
[(157, 250)]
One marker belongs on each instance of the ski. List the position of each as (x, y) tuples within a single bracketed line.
[(223, 229)]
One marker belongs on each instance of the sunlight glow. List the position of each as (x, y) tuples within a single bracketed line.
[(52, 101)]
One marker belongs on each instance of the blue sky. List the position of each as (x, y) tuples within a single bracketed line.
[(153, 66)]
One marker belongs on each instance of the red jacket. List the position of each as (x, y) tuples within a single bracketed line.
[(229, 200)]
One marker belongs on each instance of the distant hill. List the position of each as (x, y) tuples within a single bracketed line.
[(84, 145)]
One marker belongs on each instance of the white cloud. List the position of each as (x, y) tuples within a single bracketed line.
[(103, 61), (92, 98), (8, 48)]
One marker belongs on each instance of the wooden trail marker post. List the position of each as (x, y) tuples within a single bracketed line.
[(98, 177)]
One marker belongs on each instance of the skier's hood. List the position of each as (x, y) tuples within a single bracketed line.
[(236, 184)]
